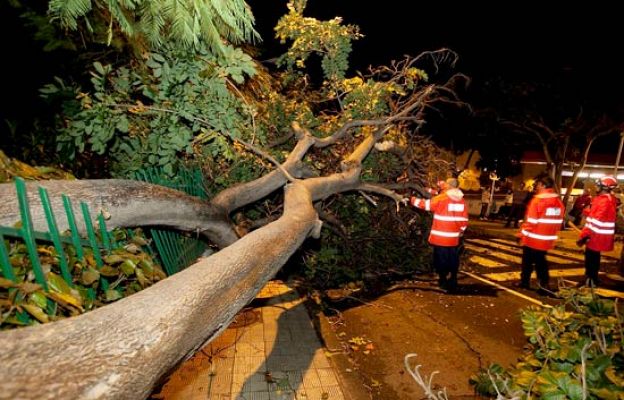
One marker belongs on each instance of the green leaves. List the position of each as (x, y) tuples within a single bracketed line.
[(329, 39), (181, 23), (155, 116), (575, 341), (558, 386)]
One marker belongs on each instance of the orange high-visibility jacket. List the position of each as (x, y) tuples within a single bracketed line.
[(450, 216), (542, 221), (600, 223)]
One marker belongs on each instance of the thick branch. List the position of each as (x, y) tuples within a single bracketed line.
[(129, 204), (380, 190), (246, 193)]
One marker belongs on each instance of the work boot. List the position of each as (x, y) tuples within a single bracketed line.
[(544, 290)]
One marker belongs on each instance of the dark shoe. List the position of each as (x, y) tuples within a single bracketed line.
[(452, 289), (545, 291)]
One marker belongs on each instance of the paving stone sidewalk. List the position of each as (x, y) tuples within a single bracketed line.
[(268, 352)]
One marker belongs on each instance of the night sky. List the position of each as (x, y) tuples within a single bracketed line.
[(516, 40), (574, 47)]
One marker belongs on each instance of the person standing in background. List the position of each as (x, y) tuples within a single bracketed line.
[(485, 202), (580, 204), (599, 230), (538, 233), (519, 202)]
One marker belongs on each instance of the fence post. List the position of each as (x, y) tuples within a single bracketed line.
[(73, 229), (91, 234), (5, 263), (54, 233), (28, 233)]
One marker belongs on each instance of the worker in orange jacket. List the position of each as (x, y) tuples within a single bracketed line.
[(599, 230), (450, 220), (538, 233)]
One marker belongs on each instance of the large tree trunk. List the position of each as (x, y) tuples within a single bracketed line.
[(120, 351), (128, 203)]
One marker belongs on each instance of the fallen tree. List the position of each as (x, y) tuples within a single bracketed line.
[(123, 349), (361, 134)]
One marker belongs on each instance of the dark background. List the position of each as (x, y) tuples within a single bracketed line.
[(577, 47), (516, 39)]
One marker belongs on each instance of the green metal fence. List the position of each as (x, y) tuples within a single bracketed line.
[(176, 250), (94, 243)]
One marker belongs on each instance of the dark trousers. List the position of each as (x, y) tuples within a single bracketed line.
[(534, 258), (484, 208), (446, 264), (515, 214), (592, 264)]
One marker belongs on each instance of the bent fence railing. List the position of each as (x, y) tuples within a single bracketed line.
[(95, 242), (176, 250)]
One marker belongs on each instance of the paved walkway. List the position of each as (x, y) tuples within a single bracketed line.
[(268, 352)]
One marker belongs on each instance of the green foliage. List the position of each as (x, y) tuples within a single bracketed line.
[(178, 106), (277, 111), (374, 244), (578, 340), (183, 23), (329, 39), (127, 269)]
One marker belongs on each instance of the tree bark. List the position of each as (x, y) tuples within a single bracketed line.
[(128, 203), (120, 351)]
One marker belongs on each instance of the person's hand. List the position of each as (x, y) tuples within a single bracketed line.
[(581, 242), (405, 201)]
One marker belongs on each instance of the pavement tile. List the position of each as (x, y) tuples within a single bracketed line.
[(333, 392), (315, 394), (221, 384), (222, 365), (320, 361), (251, 396), (248, 365), (283, 395), (311, 379), (283, 343), (220, 396), (250, 349), (327, 377)]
